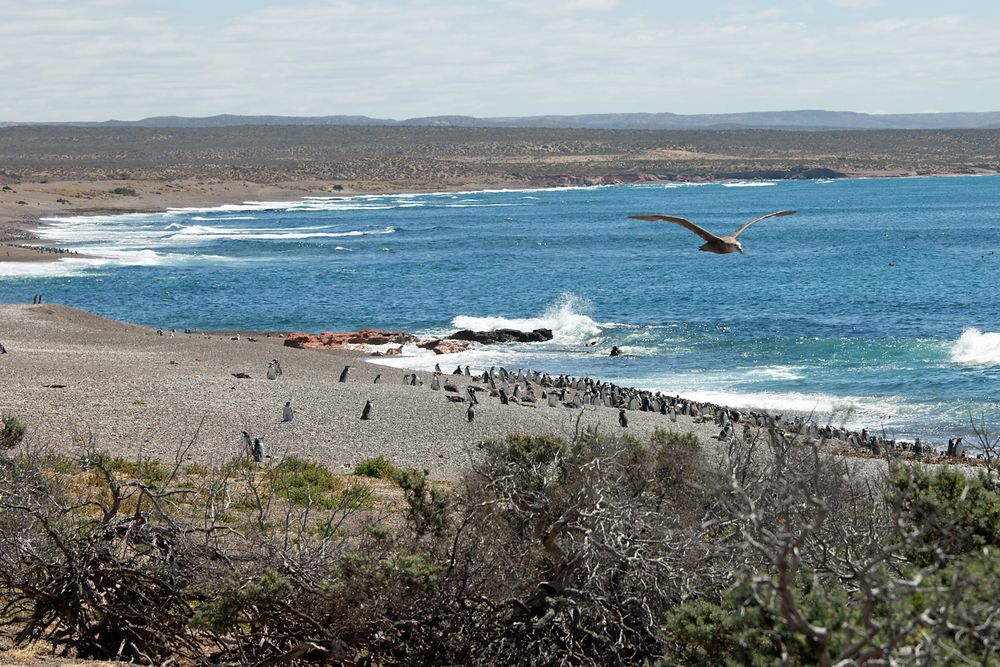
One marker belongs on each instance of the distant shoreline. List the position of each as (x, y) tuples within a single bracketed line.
[(19, 222)]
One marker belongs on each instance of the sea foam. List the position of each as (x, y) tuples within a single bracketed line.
[(563, 317), (976, 347)]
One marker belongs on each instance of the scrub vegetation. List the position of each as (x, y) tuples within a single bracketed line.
[(595, 551)]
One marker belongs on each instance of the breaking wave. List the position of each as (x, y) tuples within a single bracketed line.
[(976, 347), (564, 317)]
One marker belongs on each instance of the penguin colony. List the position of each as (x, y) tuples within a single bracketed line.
[(529, 388)]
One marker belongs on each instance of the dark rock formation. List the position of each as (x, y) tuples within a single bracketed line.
[(503, 336)]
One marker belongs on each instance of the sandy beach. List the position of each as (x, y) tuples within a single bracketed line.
[(79, 380)]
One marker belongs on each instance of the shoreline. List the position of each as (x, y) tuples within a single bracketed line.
[(21, 219), (80, 380)]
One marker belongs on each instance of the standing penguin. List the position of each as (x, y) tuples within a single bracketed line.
[(435, 382), (258, 450), (471, 413), (288, 414), (622, 419), (248, 442), (504, 400), (277, 366), (366, 413), (344, 374), (272, 372)]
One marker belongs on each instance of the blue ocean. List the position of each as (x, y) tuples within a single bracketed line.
[(877, 304)]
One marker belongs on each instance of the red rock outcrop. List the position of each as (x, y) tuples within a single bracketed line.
[(332, 340)]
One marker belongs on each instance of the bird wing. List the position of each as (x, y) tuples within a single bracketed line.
[(703, 233), (776, 214)]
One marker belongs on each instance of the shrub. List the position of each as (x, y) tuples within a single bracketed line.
[(12, 431), (378, 467), (125, 192), (957, 511), (303, 482)]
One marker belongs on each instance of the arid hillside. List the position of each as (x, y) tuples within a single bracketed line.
[(413, 156)]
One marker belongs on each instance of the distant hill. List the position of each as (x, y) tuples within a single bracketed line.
[(791, 120)]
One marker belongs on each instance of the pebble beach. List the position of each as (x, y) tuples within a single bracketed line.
[(78, 380)]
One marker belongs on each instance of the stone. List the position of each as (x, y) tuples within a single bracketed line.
[(346, 339), (503, 336)]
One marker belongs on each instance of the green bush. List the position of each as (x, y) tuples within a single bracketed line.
[(303, 482), (378, 467), (427, 505), (958, 512), (534, 449), (12, 432)]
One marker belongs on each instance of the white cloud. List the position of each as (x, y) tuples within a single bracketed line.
[(89, 60)]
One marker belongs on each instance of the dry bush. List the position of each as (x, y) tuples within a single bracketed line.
[(594, 551)]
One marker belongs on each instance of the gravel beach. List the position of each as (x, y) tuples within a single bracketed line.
[(75, 378)]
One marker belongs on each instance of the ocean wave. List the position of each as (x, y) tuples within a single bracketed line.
[(777, 372), (976, 347), (59, 268), (563, 317), (216, 234), (223, 217), (147, 257), (748, 184)]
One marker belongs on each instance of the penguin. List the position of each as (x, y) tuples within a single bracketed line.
[(344, 374), (272, 373), (437, 368), (277, 366), (258, 450), (622, 419), (366, 413), (436, 382), (248, 442), (471, 413), (288, 414), (504, 400)]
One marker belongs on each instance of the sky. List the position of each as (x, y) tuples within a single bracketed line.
[(130, 59)]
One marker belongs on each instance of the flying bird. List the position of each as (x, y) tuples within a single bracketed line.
[(720, 245)]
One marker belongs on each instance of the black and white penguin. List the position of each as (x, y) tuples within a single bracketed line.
[(366, 413), (344, 374)]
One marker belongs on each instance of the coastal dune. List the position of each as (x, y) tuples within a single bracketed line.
[(78, 380)]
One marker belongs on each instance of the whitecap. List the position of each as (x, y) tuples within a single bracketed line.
[(54, 269), (777, 372), (563, 317), (976, 347), (748, 184)]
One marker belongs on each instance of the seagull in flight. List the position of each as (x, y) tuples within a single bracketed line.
[(720, 245)]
